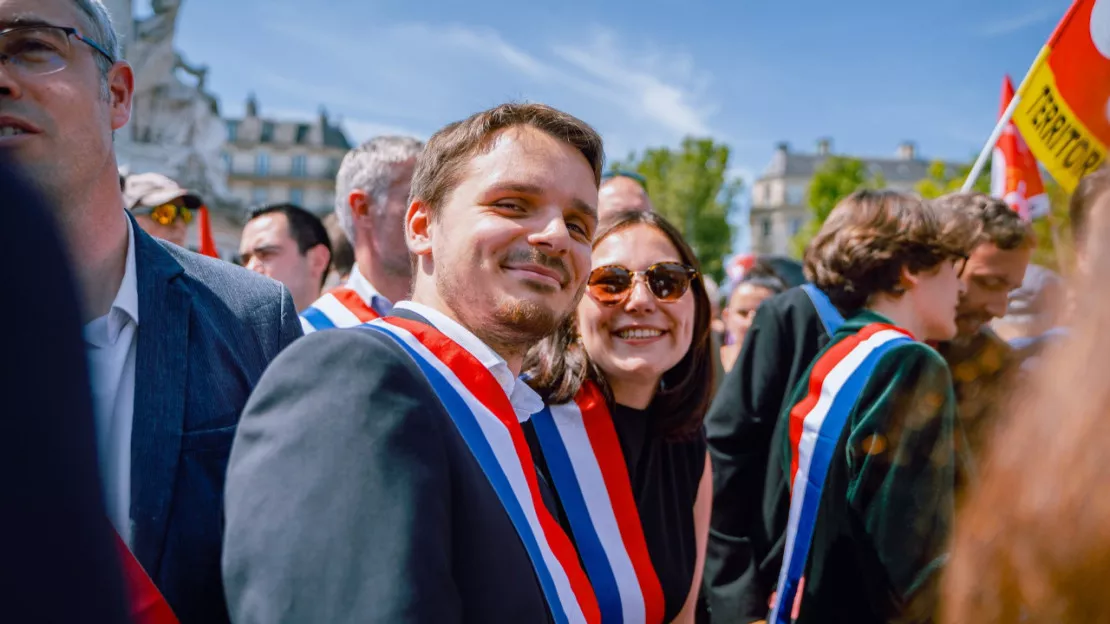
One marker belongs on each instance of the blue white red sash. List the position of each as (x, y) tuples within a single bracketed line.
[(815, 426), (340, 308), (484, 417), (590, 475)]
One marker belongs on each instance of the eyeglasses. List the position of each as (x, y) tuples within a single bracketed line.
[(667, 281), (41, 49), (166, 213), (960, 263)]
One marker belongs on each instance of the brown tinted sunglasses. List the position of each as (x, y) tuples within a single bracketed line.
[(667, 281)]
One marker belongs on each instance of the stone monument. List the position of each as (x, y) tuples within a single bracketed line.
[(175, 126)]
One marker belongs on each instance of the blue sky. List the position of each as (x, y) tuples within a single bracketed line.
[(867, 73)]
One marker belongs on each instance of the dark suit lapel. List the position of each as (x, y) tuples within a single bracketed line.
[(160, 378)]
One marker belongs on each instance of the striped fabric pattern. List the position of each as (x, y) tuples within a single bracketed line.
[(588, 468), (815, 426), (485, 418), (338, 309)]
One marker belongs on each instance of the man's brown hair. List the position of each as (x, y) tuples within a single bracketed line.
[(440, 166), (991, 219), (1091, 189), (871, 235)]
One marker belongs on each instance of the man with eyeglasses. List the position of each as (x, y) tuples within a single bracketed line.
[(175, 341), (160, 206)]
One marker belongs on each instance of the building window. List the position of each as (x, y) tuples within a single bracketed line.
[(296, 196), (260, 195), (233, 131), (795, 226), (765, 226), (300, 166), (262, 164), (795, 194), (267, 132)]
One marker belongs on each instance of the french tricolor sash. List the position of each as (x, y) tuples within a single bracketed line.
[(484, 417), (339, 308), (146, 604), (815, 425), (590, 475)]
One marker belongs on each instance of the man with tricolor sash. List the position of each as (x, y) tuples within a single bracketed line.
[(871, 429), (381, 474), (371, 196)]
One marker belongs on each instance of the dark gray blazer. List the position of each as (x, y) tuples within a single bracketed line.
[(352, 498), (207, 330)]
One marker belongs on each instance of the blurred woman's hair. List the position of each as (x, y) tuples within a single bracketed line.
[(558, 365), (1032, 541), (762, 275)]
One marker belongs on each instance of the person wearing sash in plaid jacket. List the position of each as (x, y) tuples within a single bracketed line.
[(870, 433), (627, 382)]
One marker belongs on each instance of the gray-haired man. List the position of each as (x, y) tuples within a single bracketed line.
[(371, 196)]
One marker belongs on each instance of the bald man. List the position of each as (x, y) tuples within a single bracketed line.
[(619, 193)]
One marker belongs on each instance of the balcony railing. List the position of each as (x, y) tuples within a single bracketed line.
[(283, 174)]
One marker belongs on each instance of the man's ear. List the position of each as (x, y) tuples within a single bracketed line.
[(418, 228), (907, 280), (318, 260), (360, 203), (121, 86)]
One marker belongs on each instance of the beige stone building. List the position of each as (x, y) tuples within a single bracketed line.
[(271, 161), (779, 209)]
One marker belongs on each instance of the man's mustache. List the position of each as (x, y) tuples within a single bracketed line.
[(535, 256)]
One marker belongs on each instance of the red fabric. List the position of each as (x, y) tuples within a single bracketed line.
[(481, 383), (614, 472), (207, 243), (147, 605)]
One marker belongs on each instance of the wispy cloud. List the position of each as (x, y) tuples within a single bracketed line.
[(662, 95), (1014, 23), (632, 95)]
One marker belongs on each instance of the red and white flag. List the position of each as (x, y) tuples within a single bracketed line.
[(1015, 177)]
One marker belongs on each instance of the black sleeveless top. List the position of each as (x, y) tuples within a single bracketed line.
[(664, 476)]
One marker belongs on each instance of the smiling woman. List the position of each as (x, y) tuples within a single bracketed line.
[(627, 382)]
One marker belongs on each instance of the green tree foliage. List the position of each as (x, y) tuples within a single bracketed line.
[(1054, 249), (1054, 238), (690, 188), (836, 178), (941, 182)]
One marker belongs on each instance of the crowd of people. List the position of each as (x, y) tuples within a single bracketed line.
[(494, 386)]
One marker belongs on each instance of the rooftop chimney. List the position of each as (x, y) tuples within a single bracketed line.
[(907, 151), (252, 106), (782, 147), (824, 146)]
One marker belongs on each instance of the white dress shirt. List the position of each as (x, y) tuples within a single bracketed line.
[(110, 343), (524, 399), (366, 291)]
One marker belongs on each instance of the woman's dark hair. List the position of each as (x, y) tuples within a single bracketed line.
[(558, 366), (763, 275)]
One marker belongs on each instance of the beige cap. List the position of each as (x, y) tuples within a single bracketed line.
[(154, 189)]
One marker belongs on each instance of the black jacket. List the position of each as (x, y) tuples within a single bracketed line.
[(352, 497), (746, 532)]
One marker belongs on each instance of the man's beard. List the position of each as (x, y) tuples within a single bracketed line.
[(513, 325)]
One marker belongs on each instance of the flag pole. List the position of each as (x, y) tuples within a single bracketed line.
[(1008, 114), (981, 162)]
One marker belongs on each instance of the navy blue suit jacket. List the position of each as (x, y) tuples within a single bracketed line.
[(207, 330)]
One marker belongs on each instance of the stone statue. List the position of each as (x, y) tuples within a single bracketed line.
[(175, 125)]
